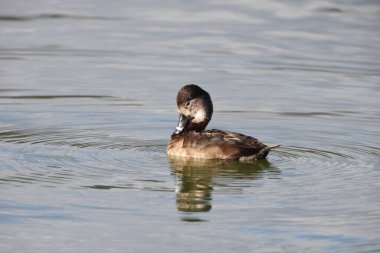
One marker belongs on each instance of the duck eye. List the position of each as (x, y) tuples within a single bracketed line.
[(187, 104)]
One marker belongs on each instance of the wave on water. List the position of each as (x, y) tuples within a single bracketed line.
[(96, 159), (56, 16), (89, 158)]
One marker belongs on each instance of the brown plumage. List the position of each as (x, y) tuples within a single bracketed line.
[(191, 140)]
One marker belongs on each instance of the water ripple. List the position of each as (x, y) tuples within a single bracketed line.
[(56, 16), (97, 160), (79, 158)]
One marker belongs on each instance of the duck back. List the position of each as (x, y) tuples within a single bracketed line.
[(217, 144)]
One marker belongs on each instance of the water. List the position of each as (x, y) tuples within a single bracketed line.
[(87, 105)]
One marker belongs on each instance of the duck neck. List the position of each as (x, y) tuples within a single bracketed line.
[(203, 115), (197, 127)]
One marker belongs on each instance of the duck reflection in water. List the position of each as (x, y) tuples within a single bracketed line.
[(195, 179)]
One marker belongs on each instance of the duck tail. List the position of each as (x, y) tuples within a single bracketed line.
[(264, 152), (260, 155)]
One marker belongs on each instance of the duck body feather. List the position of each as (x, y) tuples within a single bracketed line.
[(216, 144)]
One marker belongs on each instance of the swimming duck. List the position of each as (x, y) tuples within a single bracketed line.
[(191, 140)]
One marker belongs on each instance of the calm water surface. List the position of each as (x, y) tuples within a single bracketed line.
[(87, 105)]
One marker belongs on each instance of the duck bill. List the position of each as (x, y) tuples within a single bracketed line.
[(182, 122)]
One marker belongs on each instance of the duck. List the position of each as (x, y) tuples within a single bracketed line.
[(191, 139)]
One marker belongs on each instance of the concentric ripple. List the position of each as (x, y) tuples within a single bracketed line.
[(78, 158), (343, 162), (58, 156)]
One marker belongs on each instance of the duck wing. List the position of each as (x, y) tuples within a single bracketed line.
[(219, 144)]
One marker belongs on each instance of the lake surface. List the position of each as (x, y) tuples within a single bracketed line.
[(87, 106)]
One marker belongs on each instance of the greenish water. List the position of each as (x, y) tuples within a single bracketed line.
[(87, 106)]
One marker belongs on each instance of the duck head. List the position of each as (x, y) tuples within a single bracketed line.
[(195, 109)]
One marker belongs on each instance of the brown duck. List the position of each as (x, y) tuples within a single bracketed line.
[(191, 140)]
